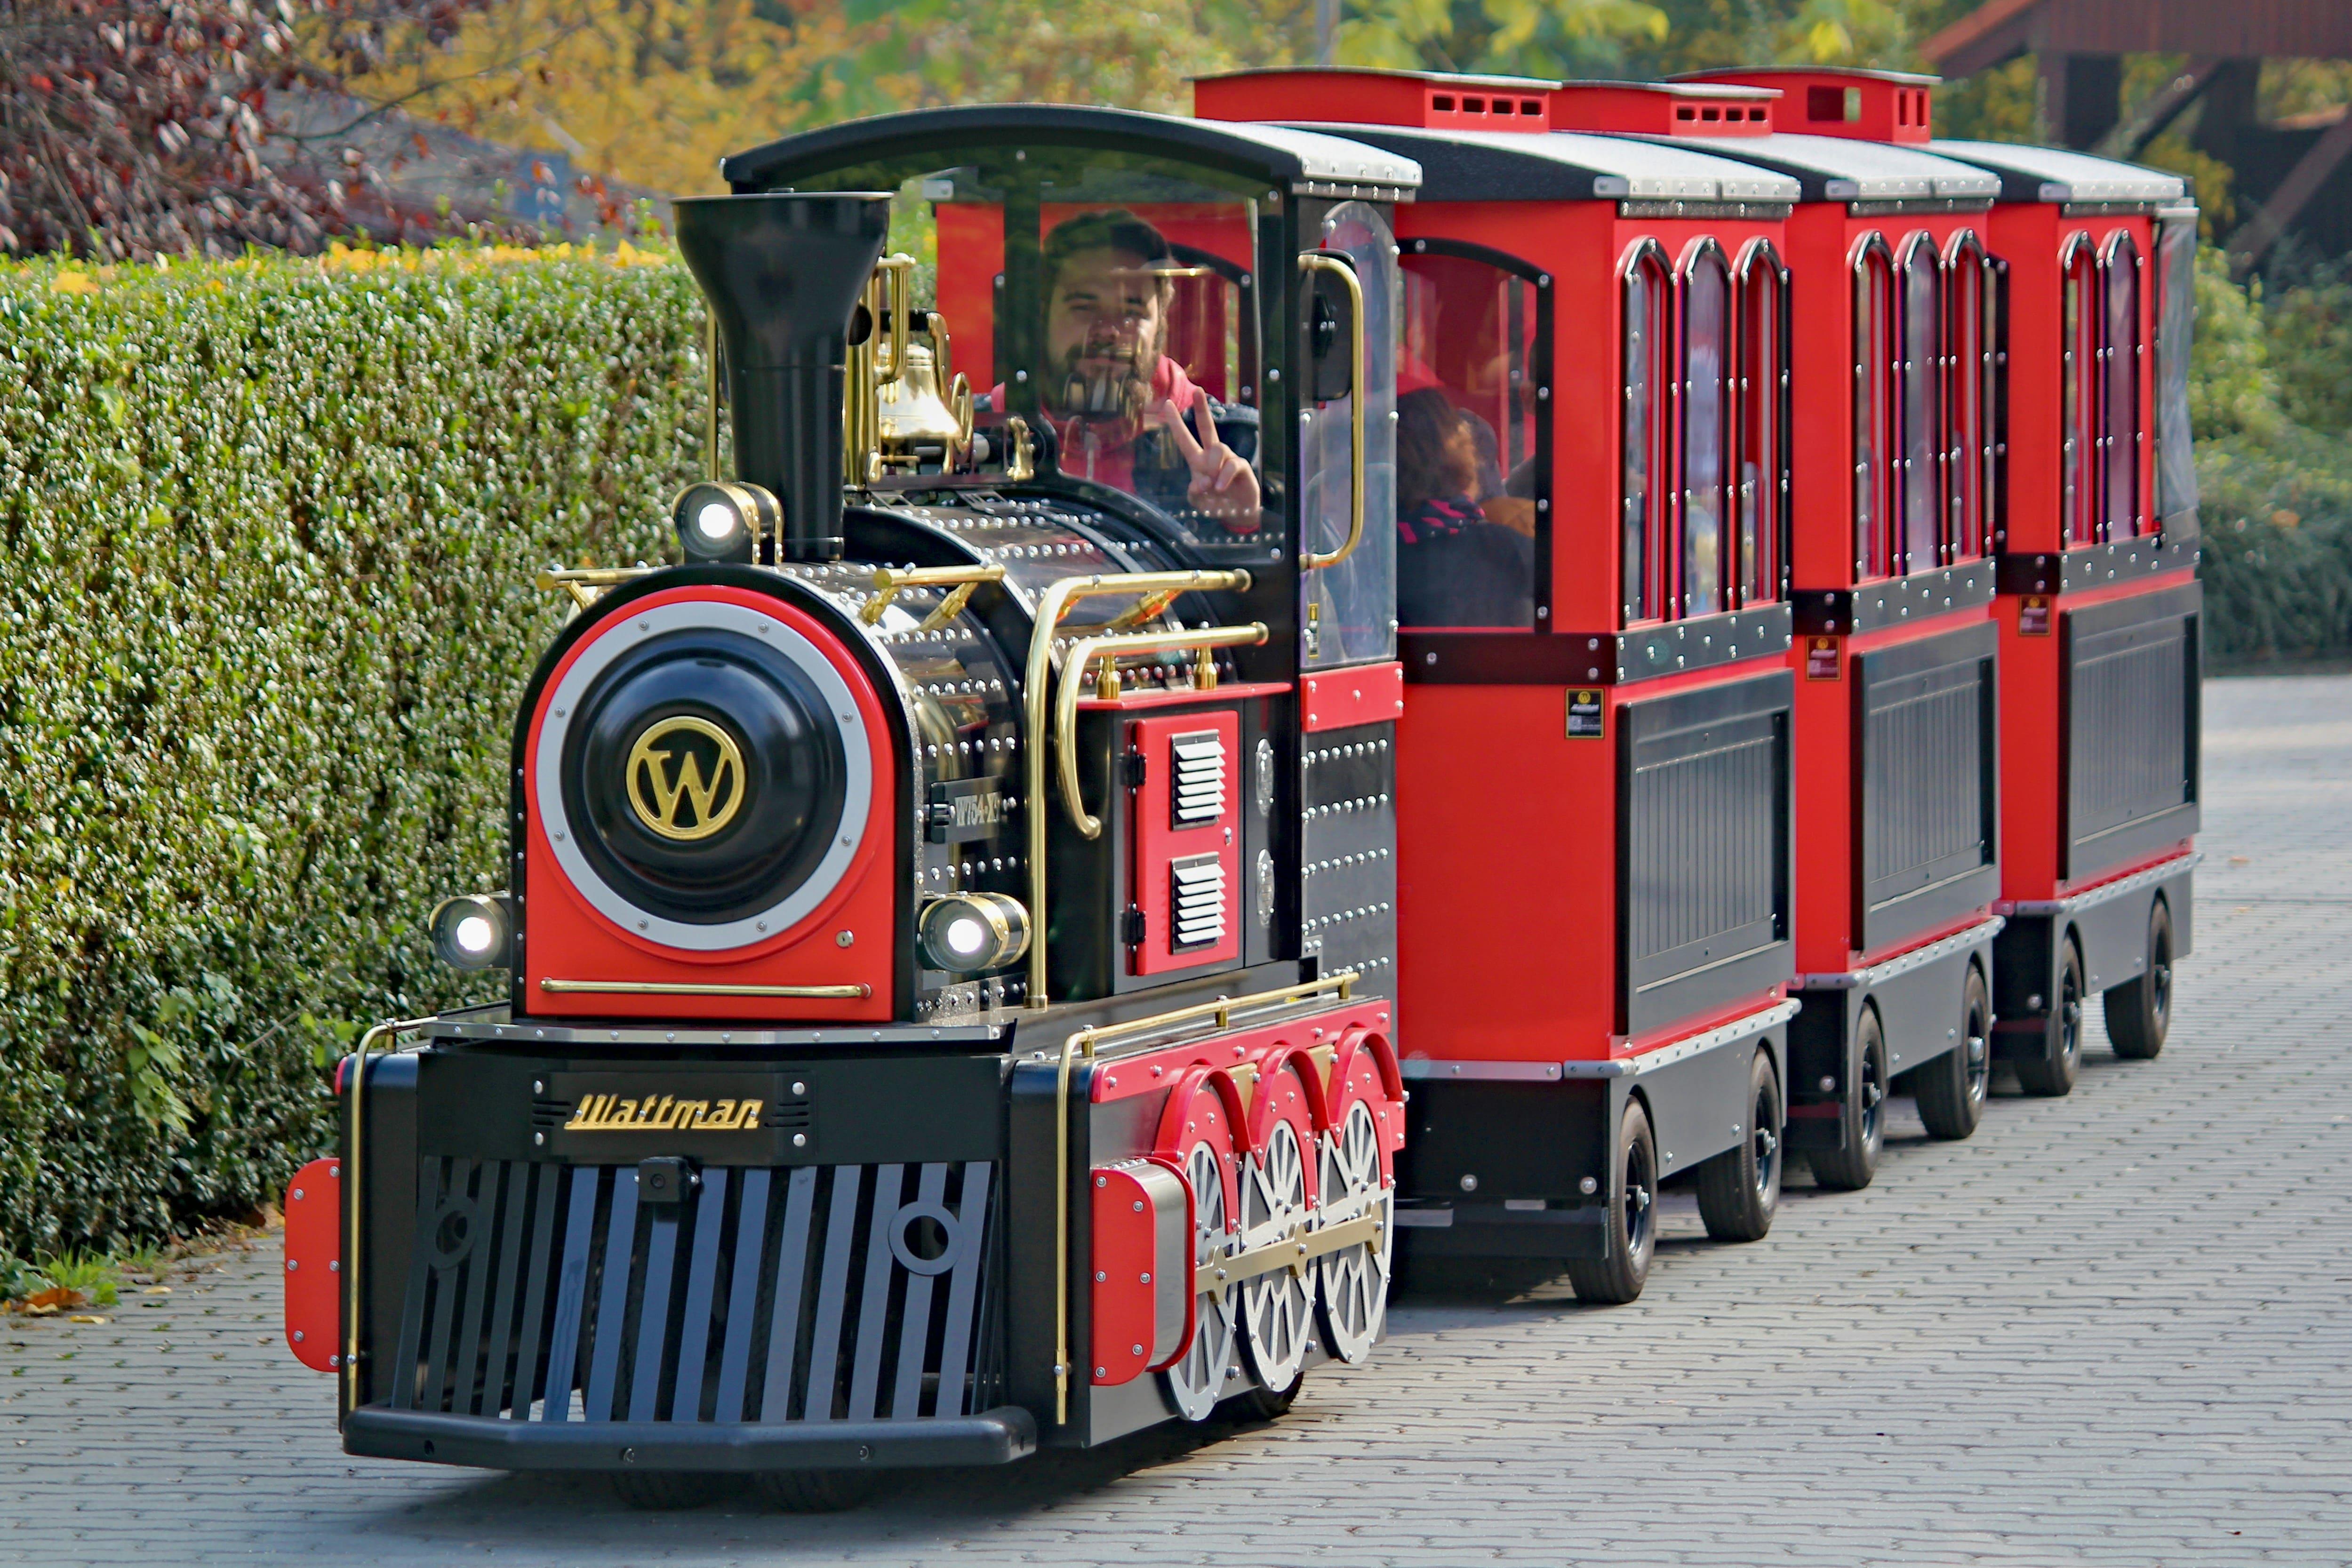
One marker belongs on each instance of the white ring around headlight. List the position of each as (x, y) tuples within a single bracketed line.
[(616, 636)]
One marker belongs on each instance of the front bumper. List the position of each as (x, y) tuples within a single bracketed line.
[(996, 1436)]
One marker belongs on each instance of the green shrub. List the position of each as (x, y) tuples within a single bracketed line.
[(2267, 396), (266, 537)]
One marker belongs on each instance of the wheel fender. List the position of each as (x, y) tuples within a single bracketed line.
[(1174, 1136), (1365, 1068), (1289, 1066)]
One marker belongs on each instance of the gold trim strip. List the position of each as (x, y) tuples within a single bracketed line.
[(1073, 672), (1318, 261), (669, 988), (1087, 1040), (1052, 605)]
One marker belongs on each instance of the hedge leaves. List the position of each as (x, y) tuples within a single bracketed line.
[(267, 531)]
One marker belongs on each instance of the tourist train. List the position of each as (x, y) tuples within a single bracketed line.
[(1389, 667)]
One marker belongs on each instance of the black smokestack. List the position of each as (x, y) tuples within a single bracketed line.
[(782, 273)]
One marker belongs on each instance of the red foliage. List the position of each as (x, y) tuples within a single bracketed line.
[(130, 129)]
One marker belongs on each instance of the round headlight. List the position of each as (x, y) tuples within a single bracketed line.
[(966, 934), (724, 520), (473, 930)]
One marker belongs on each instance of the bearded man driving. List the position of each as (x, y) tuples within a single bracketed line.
[(1126, 412)]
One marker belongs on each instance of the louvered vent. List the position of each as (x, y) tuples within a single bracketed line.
[(1196, 884), (1198, 794)]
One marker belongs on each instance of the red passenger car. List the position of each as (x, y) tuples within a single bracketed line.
[(1595, 883)]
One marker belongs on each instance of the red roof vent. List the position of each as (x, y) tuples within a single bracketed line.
[(1868, 106), (1662, 109), (1423, 98)]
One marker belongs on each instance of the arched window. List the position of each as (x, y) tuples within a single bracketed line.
[(1918, 543), (1645, 427), (2120, 358), (1760, 425), (2079, 510), (1971, 351), (1701, 556), (1875, 349)]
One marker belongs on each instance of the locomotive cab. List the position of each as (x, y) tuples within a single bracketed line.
[(951, 916)]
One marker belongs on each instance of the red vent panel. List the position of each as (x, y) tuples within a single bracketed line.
[(1186, 876)]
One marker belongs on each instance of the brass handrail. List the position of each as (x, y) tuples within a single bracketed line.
[(1308, 561), (352, 1226), (1074, 670), (577, 580), (1052, 605), (1086, 1040), (890, 581)]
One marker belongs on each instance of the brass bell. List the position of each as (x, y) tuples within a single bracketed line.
[(917, 429)]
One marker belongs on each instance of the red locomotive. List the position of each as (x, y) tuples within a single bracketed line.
[(978, 924)]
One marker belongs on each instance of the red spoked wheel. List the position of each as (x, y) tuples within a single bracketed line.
[(1277, 1200), (1199, 1134)]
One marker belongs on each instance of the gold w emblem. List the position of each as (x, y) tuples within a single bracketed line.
[(667, 786)]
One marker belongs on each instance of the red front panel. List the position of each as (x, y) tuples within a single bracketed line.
[(1186, 874), (849, 939)]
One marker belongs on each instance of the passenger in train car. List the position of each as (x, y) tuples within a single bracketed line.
[(1125, 412), (1454, 567)]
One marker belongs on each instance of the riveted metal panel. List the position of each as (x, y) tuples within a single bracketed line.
[(1348, 851)]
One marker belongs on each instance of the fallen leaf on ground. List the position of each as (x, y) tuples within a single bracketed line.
[(84, 1318), (53, 1300)]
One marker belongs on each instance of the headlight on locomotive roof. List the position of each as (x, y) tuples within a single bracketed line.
[(474, 931), (967, 933), (724, 520)]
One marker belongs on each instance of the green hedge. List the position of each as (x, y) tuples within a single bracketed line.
[(266, 537)]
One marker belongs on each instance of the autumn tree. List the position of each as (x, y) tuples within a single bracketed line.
[(139, 128)]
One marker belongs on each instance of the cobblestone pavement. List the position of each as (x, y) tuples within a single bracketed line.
[(2113, 1328)]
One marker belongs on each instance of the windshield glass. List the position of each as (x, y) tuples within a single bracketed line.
[(1110, 301)]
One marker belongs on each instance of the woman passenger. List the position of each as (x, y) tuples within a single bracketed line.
[(1454, 568)]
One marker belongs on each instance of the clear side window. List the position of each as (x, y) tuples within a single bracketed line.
[(1875, 350), (1348, 613), (2175, 318), (1970, 298), (1646, 296), (1918, 542), (1760, 422), (1468, 444), (2119, 371), (2079, 425), (1707, 365)]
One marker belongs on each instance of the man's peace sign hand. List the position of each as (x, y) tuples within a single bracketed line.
[(1224, 485)]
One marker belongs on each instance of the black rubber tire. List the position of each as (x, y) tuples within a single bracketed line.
[(823, 1491), (2139, 1011), (667, 1491), (2051, 1077), (1632, 1228), (1262, 1403), (1951, 1088), (1850, 1166), (1739, 1189)]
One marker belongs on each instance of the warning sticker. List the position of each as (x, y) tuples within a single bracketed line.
[(1585, 715), (2033, 615), (1821, 659)]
